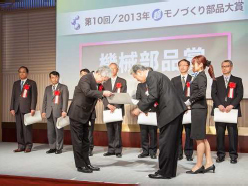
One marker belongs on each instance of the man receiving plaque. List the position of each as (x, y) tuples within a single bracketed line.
[(227, 93), (55, 104), (23, 101), (169, 116), (80, 111), (182, 87), (114, 84)]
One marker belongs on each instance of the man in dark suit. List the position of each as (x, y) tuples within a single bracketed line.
[(55, 104), (147, 131), (169, 116), (119, 85), (180, 83), (226, 102), (80, 111), (92, 120), (23, 101)]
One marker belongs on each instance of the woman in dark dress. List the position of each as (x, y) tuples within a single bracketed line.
[(198, 104)]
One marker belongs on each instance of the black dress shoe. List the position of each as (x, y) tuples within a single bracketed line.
[(90, 153), (93, 168), (189, 158), (58, 152), (158, 176), (233, 161), (210, 168), (180, 157), (51, 151), (27, 150), (220, 159), (18, 150), (142, 155), (84, 170), (108, 154), (200, 170), (153, 156), (119, 155)]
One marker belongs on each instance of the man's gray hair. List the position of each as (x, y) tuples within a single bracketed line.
[(104, 71), (228, 61), (137, 67), (115, 65)]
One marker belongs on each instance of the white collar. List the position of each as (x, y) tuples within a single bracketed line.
[(186, 75), (113, 79), (56, 85), (228, 77), (24, 80)]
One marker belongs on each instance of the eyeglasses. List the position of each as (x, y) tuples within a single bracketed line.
[(225, 66)]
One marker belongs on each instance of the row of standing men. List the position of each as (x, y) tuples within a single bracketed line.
[(53, 108)]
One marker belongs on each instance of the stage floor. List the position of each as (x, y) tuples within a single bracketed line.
[(128, 169)]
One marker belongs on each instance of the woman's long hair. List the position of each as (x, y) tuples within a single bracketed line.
[(206, 63)]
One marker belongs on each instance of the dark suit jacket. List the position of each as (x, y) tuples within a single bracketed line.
[(108, 86), (198, 89), (25, 105), (48, 105), (177, 83), (219, 92), (162, 91), (141, 94), (84, 99)]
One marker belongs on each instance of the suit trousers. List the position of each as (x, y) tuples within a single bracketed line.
[(168, 147), (91, 133), (80, 142), (148, 139), (55, 135), (188, 147), (23, 132), (114, 137), (233, 139)]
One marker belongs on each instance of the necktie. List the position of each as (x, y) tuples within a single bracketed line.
[(183, 81), (226, 81), (53, 88), (22, 83), (113, 83)]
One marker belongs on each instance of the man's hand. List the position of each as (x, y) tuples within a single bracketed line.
[(221, 108), (32, 112), (107, 93), (12, 112), (229, 108), (136, 112), (64, 114), (111, 107), (43, 115)]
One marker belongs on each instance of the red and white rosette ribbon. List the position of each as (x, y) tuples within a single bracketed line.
[(118, 86), (155, 104), (56, 94), (188, 89), (25, 91), (100, 87), (232, 86)]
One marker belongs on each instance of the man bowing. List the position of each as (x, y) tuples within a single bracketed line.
[(169, 116), (80, 111)]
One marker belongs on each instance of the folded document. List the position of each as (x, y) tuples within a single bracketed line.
[(29, 120), (109, 117)]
